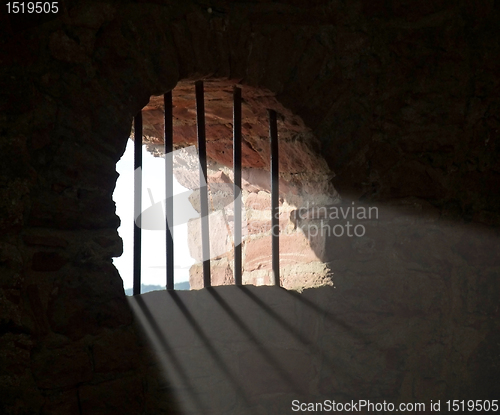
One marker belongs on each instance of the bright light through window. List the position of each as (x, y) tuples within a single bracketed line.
[(153, 242)]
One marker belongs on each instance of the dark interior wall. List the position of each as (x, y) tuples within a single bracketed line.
[(403, 97)]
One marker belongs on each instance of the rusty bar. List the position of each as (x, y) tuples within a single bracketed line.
[(169, 189), (202, 154), (273, 136), (237, 184), (137, 201)]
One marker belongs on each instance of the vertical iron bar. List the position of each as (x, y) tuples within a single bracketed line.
[(273, 136), (237, 184), (137, 201), (169, 189), (202, 152)]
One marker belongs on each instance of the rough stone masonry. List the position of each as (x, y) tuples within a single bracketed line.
[(403, 98)]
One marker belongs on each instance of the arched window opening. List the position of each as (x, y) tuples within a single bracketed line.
[(304, 184)]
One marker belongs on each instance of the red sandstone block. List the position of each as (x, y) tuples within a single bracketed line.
[(219, 177), (305, 280), (255, 227), (196, 277), (220, 273), (265, 280), (294, 249), (258, 201)]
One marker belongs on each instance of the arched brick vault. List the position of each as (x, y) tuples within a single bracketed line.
[(403, 97)]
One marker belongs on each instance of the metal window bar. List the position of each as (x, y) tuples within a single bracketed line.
[(168, 148), (238, 266), (202, 155), (137, 201), (273, 136), (169, 189)]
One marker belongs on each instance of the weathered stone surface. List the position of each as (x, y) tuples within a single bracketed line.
[(45, 240), (105, 397), (293, 134), (17, 386), (258, 201), (479, 248), (403, 101), (70, 314), (303, 276), (122, 358), (61, 403), (220, 243), (48, 261), (61, 367), (221, 273)]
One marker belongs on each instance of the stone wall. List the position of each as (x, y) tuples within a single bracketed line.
[(301, 265), (403, 97)]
